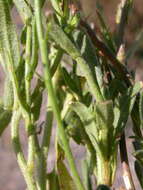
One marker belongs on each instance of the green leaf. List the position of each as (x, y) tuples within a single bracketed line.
[(65, 179), (87, 99), (115, 87), (122, 19), (10, 3), (124, 106), (24, 8), (69, 81), (88, 52), (86, 175), (86, 48), (135, 46), (23, 35), (52, 179), (103, 187), (105, 32), (74, 125), (141, 108), (20, 71), (88, 119), (34, 56), (139, 172), (104, 115), (8, 96), (60, 37), (139, 155), (5, 118), (104, 122), (42, 2), (56, 5), (8, 37), (36, 98)]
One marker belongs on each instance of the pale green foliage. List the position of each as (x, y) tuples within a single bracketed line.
[(88, 90)]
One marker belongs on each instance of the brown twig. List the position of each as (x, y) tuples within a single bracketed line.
[(125, 165), (124, 74)]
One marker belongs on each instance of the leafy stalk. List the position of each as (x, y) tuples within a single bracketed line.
[(18, 150), (65, 43), (52, 97), (27, 63)]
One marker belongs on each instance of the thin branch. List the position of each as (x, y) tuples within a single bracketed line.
[(127, 176), (52, 96), (124, 74)]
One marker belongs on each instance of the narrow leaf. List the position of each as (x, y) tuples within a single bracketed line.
[(122, 19), (24, 8), (141, 108), (88, 119), (37, 97), (5, 118), (8, 36), (125, 105), (104, 114), (8, 96), (65, 179), (60, 37), (139, 172)]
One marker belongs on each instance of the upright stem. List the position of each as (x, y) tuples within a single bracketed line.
[(18, 102), (27, 62), (18, 150), (47, 131), (52, 97), (41, 167)]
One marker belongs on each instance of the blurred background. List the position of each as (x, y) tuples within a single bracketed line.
[(10, 175)]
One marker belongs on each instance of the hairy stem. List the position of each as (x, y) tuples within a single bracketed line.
[(18, 150), (52, 97), (27, 63)]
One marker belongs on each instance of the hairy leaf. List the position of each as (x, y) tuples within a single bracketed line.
[(8, 37), (60, 37), (88, 119), (5, 118), (65, 179), (139, 172), (104, 115), (24, 8), (8, 96), (37, 96), (124, 106)]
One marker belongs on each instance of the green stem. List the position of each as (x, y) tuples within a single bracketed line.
[(47, 131), (104, 171), (41, 167), (34, 51), (41, 153), (28, 120), (26, 115), (52, 97), (59, 36), (56, 61), (18, 150), (27, 62), (92, 82)]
